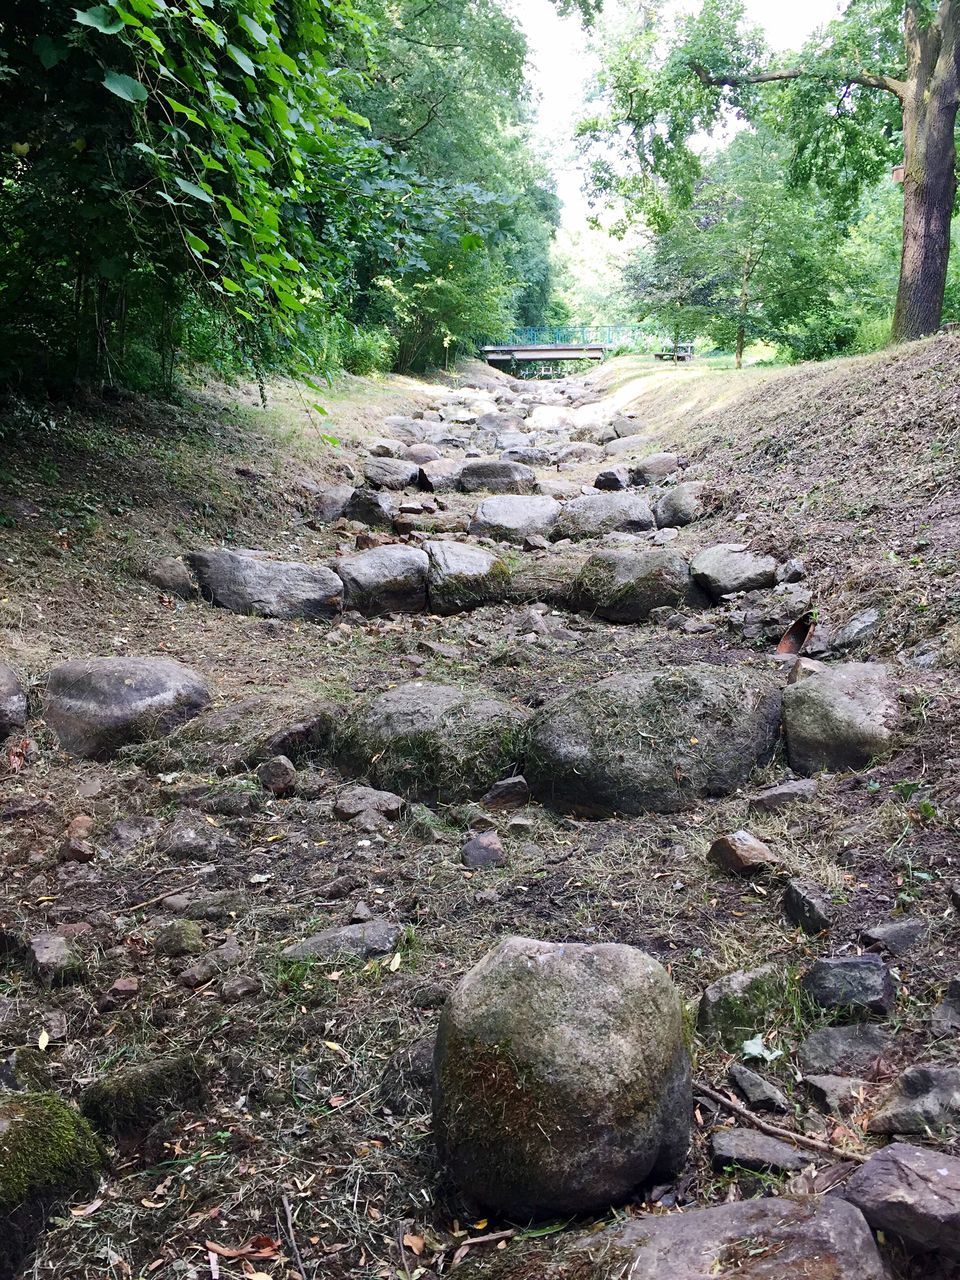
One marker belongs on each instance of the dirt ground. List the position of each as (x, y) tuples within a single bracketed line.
[(298, 1162)]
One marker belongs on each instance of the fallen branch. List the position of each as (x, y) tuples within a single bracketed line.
[(487, 1239), (167, 893), (774, 1130)]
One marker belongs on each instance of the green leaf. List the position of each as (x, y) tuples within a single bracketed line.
[(241, 59), (231, 286), (100, 18), (192, 189), (49, 51), (124, 87), (471, 242), (253, 28), (195, 243)]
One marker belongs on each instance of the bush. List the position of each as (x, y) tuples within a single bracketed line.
[(366, 351)]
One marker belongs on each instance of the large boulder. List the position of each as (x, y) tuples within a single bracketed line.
[(624, 585), (98, 705), (561, 1078), (807, 1238), (391, 473), (461, 577), (654, 467), (13, 701), (511, 519), (924, 1099), (496, 476), (624, 445), (595, 514), (442, 476), (433, 741), (911, 1192), (841, 717), (390, 579), (331, 503), (371, 507), (653, 740), (729, 567), (681, 505), (244, 582)]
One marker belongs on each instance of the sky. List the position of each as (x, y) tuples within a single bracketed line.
[(562, 70)]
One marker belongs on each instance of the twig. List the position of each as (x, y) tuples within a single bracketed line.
[(292, 1236), (774, 1130), (167, 893), (487, 1239), (403, 1252)]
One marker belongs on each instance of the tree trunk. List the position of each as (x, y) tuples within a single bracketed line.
[(930, 180)]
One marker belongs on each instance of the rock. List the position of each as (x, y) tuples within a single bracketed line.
[(775, 799), (807, 1238), (727, 568), (509, 793), (245, 582), (171, 576), (613, 478), (278, 775), (626, 586), (656, 740), (227, 956), (361, 913), (859, 985), (511, 519), (47, 1154), (527, 455), (331, 503), (131, 1100), (239, 987), (180, 938), (924, 1099), (53, 961), (808, 905), (835, 1095), (681, 505), (461, 576), (791, 571), (371, 507), (654, 467), (621, 446), (192, 837), (735, 1005), (385, 447), (391, 579), (442, 476), (945, 1019), (373, 938), (421, 453), (562, 1082), (755, 1151), (896, 937), (407, 1077), (495, 476), (430, 740), (840, 718), (860, 1049), (910, 1192), (483, 850), (858, 630), (595, 514), (759, 1094), (356, 801), (742, 854), (24, 1069), (580, 451), (98, 705), (390, 473)]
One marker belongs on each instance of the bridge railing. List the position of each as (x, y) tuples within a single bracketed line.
[(609, 335)]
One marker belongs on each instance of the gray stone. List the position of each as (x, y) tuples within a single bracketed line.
[(421, 453), (170, 575), (53, 961), (331, 503), (654, 467), (278, 775), (925, 1099), (375, 509), (859, 985), (759, 1094), (596, 514), (373, 938), (355, 801), (180, 938), (244, 582), (858, 630), (494, 476), (911, 1192), (386, 447), (841, 717), (732, 1007), (945, 1018), (239, 987), (653, 740), (430, 740), (613, 478), (740, 853), (727, 568), (775, 799), (528, 455), (896, 937), (442, 476), (580, 451), (508, 793), (681, 505), (483, 850), (391, 473), (192, 837), (390, 579), (836, 1095), (13, 701), (623, 585), (562, 1081), (807, 905), (461, 576), (622, 446), (511, 518), (756, 1152), (98, 705), (791, 571), (862, 1050)]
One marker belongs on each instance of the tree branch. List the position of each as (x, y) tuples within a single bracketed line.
[(889, 84)]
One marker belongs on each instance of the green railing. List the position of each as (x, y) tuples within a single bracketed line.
[(576, 335)]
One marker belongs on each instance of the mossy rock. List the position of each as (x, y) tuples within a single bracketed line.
[(128, 1102), (741, 1005), (625, 585), (462, 577), (47, 1151), (25, 1069), (433, 742)]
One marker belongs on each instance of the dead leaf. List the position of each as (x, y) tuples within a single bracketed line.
[(395, 963), (85, 1210), (414, 1244), (43, 1040)]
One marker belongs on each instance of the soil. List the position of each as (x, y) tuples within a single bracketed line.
[(295, 1165)]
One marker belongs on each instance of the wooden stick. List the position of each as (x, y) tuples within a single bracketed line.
[(487, 1239), (292, 1235), (167, 893), (774, 1130)]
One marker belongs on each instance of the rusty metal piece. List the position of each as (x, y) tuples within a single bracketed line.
[(798, 634)]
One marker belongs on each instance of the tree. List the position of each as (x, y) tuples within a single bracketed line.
[(886, 69)]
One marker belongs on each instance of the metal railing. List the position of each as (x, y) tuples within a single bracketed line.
[(577, 335)]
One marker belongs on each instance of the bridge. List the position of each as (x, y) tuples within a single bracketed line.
[(568, 342)]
